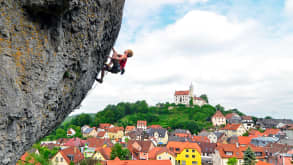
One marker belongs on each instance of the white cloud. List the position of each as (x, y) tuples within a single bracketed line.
[(289, 7), (236, 63)]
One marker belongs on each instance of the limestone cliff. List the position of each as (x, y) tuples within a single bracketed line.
[(50, 53)]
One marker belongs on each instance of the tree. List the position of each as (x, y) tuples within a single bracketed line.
[(118, 151), (191, 101), (232, 161), (219, 107), (249, 157), (268, 117), (204, 97)]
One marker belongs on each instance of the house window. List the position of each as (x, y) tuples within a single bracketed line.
[(159, 158), (186, 156), (170, 158), (61, 159), (194, 162), (56, 160), (187, 150), (193, 156), (193, 150), (177, 149), (229, 153), (183, 162)]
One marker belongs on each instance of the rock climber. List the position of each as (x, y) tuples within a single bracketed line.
[(117, 63)]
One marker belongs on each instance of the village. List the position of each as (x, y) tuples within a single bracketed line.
[(230, 141)]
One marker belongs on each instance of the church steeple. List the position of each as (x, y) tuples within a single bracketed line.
[(191, 90)]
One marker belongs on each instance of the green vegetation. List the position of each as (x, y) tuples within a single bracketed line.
[(171, 116), (204, 97), (118, 151), (232, 161)]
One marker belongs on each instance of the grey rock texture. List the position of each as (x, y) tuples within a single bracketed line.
[(50, 54)]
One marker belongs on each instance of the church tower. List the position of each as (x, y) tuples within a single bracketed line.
[(191, 90)]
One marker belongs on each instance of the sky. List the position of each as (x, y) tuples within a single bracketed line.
[(239, 53)]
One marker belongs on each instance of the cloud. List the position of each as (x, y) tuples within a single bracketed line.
[(237, 63), (289, 7)]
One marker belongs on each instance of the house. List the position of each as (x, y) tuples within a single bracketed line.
[(66, 156), (140, 149), (141, 124), (233, 118), (181, 133), (247, 122), (186, 152), (221, 136), (83, 128), (207, 152), (275, 152), (199, 139), (116, 132), (199, 101), (117, 161), (129, 129), (244, 140), (210, 135), (71, 132), (225, 151), (183, 97), (96, 142), (162, 153), (90, 132), (218, 119), (26, 158), (255, 133), (233, 130), (102, 153), (102, 135), (271, 123), (272, 132), (262, 163), (105, 126), (155, 126), (288, 137), (159, 134), (74, 142), (263, 141), (138, 134)]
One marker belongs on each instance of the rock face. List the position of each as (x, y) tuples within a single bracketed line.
[(50, 54)]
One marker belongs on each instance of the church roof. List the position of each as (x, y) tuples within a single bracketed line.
[(181, 93)]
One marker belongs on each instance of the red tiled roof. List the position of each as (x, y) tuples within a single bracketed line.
[(271, 131), (145, 146), (262, 163), (101, 134), (141, 123), (246, 118), (158, 150), (155, 126), (130, 128), (181, 93), (255, 133), (104, 125), (244, 140), (105, 151), (218, 114), (198, 98), (172, 145), (200, 139), (140, 162), (238, 152), (115, 129), (77, 142), (230, 115), (95, 142), (231, 127), (24, 159), (77, 155)]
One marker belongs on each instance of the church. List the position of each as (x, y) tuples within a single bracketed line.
[(183, 97)]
